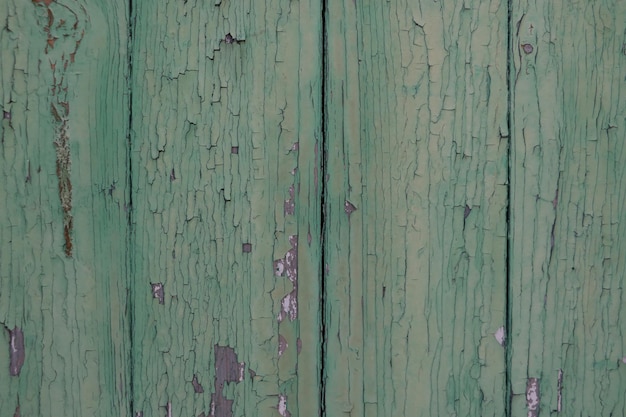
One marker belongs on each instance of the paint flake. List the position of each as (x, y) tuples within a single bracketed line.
[(158, 292), (16, 351), (532, 397), (282, 406), (500, 336), (349, 208), (282, 345), (288, 266)]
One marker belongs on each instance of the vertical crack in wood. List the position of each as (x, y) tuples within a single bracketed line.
[(322, 162), (508, 392)]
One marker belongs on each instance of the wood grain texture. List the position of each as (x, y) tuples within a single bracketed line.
[(63, 195), (416, 208), (226, 207), (568, 190)]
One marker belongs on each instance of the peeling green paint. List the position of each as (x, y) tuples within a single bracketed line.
[(226, 116), (166, 165), (63, 199), (568, 217), (416, 208)]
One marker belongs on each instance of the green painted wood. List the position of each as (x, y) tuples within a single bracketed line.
[(416, 207), (226, 138), (63, 195), (568, 195), (219, 273)]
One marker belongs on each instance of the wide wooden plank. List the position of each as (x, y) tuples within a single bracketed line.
[(63, 197), (568, 240), (416, 198), (226, 207)]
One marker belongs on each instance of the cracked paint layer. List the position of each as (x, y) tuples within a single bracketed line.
[(416, 207), (567, 224), (228, 96), (64, 272)]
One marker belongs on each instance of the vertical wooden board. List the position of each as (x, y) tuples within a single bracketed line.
[(226, 128), (416, 199), (568, 220), (63, 197)]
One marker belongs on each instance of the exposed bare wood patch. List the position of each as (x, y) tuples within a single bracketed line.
[(282, 406), (532, 397), (158, 292), (197, 387), (16, 350), (288, 266), (227, 369)]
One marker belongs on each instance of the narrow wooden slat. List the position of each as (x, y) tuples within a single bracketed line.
[(568, 215), (226, 136), (63, 197), (416, 208)]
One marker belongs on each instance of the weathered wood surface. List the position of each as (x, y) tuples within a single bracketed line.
[(568, 192), (63, 199), (216, 257), (226, 139), (416, 206)]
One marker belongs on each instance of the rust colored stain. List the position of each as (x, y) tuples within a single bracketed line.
[(227, 369), (61, 43), (16, 351)]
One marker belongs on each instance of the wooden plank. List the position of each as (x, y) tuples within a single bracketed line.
[(63, 195), (568, 219), (226, 136), (416, 208)]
